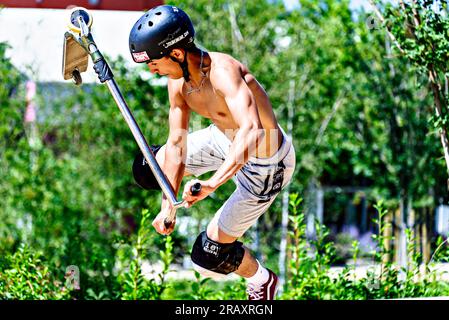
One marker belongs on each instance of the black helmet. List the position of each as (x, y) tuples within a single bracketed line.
[(158, 31)]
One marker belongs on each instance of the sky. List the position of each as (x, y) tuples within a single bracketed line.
[(36, 37)]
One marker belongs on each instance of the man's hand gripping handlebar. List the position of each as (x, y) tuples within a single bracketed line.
[(195, 189)]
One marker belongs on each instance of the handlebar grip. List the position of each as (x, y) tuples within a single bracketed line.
[(195, 189), (168, 221)]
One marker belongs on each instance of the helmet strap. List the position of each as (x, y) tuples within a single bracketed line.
[(185, 69)]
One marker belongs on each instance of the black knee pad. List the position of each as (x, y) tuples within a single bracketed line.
[(218, 257)]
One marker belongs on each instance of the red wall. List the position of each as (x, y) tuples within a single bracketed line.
[(137, 5)]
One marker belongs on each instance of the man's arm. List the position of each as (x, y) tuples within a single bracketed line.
[(176, 146), (175, 152), (228, 82)]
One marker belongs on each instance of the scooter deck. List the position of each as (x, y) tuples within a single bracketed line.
[(74, 57)]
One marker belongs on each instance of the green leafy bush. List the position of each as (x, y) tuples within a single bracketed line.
[(134, 285), (25, 275)]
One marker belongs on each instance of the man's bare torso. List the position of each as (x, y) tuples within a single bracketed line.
[(210, 104)]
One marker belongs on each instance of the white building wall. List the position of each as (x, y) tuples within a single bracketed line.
[(36, 37)]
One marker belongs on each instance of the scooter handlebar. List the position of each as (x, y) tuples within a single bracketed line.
[(195, 190)]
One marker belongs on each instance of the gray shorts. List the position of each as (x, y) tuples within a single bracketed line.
[(258, 182)]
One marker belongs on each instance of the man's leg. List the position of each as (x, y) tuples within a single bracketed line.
[(216, 251), (249, 265), (160, 158), (262, 282), (203, 154)]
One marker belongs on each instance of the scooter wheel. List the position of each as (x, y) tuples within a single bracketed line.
[(76, 77), (74, 14)]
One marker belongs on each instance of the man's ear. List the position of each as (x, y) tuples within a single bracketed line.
[(178, 54)]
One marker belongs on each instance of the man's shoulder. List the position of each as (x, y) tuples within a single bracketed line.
[(175, 85), (224, 67), (220, 59)]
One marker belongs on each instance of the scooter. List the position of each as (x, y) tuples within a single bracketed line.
[(78, 46)]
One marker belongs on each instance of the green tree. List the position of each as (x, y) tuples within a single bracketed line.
[(419, 30)]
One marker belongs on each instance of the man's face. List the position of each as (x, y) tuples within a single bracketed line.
[(165, 67)]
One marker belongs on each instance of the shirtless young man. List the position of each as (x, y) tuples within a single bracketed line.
[(245, 142)]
